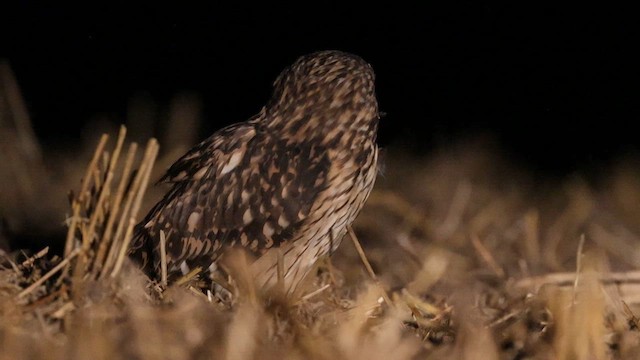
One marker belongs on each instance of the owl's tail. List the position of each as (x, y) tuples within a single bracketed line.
[(141, 250)]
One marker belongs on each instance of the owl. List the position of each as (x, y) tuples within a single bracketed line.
[(283, 185)]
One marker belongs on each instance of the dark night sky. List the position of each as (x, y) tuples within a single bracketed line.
[(557, 86)]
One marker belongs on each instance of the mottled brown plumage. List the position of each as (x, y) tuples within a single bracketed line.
[(292, 178)]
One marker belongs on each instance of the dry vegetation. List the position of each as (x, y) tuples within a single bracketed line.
[(470, 259)]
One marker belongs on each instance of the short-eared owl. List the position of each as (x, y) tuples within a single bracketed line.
[(293, 177)]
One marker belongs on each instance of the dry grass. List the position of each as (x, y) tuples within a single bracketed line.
[(462, 257)]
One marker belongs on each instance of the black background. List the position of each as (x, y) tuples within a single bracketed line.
[(556, 86)]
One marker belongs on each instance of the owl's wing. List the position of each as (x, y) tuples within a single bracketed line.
[(226, 145), (241, 187)]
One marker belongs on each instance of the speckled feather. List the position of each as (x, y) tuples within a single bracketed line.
[(290, 178)]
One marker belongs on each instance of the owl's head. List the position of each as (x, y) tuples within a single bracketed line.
[(326, 85)]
